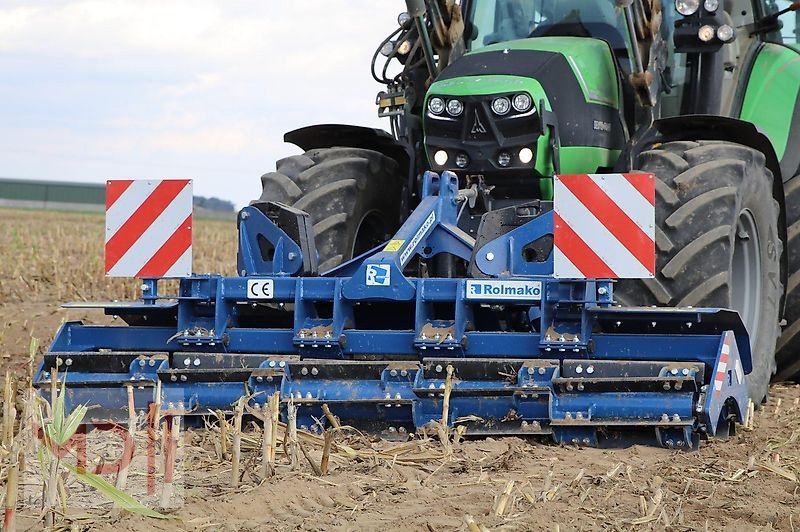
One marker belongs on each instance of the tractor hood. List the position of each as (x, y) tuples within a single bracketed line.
[(573, 85)]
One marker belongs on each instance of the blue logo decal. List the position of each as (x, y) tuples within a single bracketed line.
[(379, 275)]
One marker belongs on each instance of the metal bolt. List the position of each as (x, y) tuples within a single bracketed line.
[(69, 362), (308, 395), (579, 369), (259, 379), (685, 372), (438, 368), (183, 378), (579, 415), (676, 418), (666, 386), (298, 395), (398, 396), (388, 396), (580, 386), (272, 363), (403, 373), (432, 386), (393, 373), (542, 371), (141, 363), (152, 362), (196, 361), (401, 430), (291, 255), (664, 418), (304, 371), (568, 415), (173, 378), (490, 256), (587, 441), (314, 371), (269, 378), (441, 386), (145, 287), (187, 361), (674, 371), (678, 385), (392, 429), (245, 215), (570, 387), (602, 290), (282, 364)]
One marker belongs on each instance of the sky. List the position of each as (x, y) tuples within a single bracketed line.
[(203, 89)]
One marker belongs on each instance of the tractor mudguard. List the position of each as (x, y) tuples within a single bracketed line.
[(330, 135)]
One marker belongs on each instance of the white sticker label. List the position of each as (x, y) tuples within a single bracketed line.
[(379, 275), (504, 290), (739, 372), (427, 224), (260, 289)]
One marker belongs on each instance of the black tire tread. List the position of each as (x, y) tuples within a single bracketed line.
[(337, 187)]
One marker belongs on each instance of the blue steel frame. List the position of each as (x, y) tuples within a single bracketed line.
[(374, 343)]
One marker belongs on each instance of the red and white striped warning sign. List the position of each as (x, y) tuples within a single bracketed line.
[(722, 367), (604, 226), (149, 228)]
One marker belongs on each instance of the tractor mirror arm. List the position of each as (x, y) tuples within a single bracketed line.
[(770, 23)]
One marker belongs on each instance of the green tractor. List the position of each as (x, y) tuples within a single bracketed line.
[(705, 94)]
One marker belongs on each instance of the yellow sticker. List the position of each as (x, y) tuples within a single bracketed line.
[(394, 245)]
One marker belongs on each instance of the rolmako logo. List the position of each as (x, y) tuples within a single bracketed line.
[(504, 290)]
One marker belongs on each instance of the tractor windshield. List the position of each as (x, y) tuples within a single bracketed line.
[(495, 21)]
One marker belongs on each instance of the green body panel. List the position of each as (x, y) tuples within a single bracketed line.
[(771, 94), (589, 59)]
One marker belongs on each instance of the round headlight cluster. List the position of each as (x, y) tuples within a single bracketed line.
[(455, 108), (436, 105), (522, 102), (501, 106), (687, 7)]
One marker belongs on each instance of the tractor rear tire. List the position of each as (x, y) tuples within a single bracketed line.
[(717, 241), (788, 357), (353, 196)]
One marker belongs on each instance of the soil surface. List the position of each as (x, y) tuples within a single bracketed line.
[(749, 482)]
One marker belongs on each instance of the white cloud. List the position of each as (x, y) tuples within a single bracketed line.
[(103, 88)]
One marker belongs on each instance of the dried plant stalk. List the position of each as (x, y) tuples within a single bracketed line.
[(130, 444), (326, 452), (12, 488), (267, 469), (291, 434), (333, 420), (237, 443), (502, 502)]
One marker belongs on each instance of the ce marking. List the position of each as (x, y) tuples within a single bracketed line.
[(260, 289)]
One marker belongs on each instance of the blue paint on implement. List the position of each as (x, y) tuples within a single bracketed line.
[(531, 354)]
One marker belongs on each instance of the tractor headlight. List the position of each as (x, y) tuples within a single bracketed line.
[(687, 7), (522, 103), (711, 5), (525, 155), (725, 33), (455, 108), (436, 105), (501, 106), (387, 49), (706, 33)]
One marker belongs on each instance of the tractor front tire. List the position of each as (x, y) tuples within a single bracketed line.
[(353, 196), (717, 241), (788, 357)]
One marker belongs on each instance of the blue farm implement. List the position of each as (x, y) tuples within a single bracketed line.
[(530, 352)]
